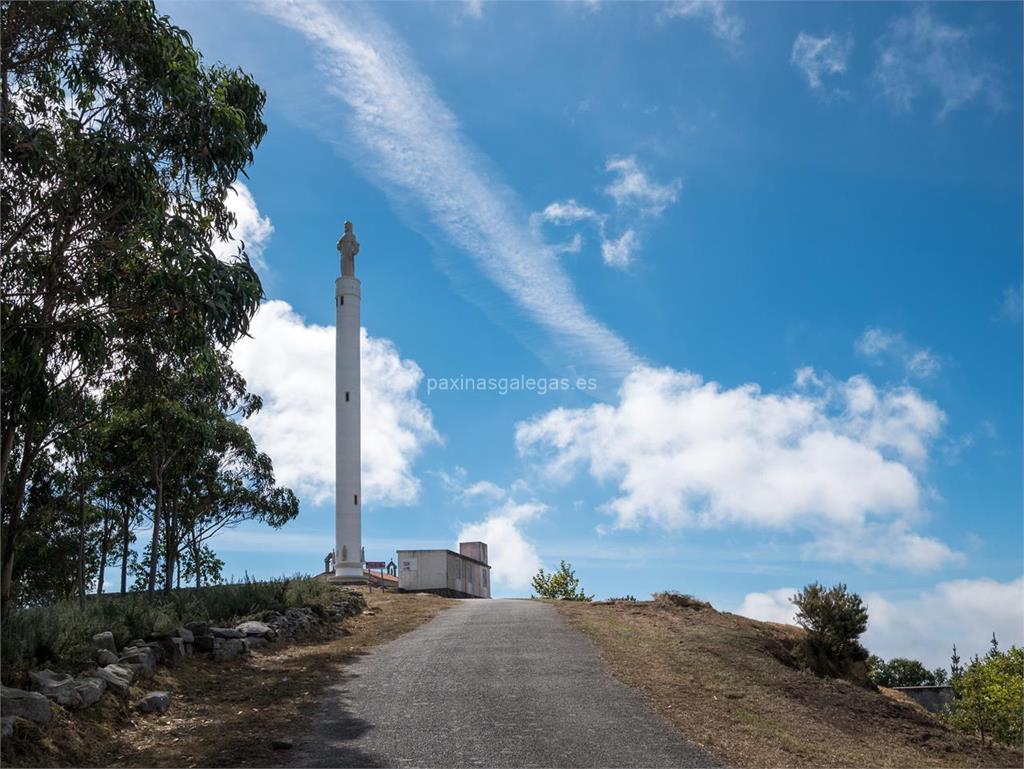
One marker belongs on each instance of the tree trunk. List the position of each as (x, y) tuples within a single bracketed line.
[(104, 544), (154, 546), (10, 535), (170, 547), (81, 549), (126, 532)]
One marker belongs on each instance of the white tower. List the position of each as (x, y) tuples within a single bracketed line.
[(348, 553)]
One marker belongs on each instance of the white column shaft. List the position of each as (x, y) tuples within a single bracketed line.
[(348, 499)]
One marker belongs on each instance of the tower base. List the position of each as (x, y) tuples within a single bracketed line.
[(348, 575)]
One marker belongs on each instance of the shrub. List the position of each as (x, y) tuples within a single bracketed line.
[(562, 584), (60, 635), (834, 619), (672, 599), (900, 671), (990, 695)]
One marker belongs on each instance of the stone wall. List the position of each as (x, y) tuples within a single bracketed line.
[(931, 698)]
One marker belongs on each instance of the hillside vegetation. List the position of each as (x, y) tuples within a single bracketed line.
[(732, 685)]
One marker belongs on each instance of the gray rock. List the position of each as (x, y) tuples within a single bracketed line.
[(231, 648), (105, 640), (255, 642), (226, 632), (58, 687), (137, 642), (154, 702), (118, 678), (174, 651), (253, 628), (198, 628), (158, 649), (105, 657), (206, 643), (280, 744), (141, 659), (91, 689), (7, 726), (186, 635), (29, 705)]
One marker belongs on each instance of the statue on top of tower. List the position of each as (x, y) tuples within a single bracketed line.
[(348, 247)]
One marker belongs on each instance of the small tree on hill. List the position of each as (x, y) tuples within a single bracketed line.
[(900, 671), (834, 619), (562, 584), (990, 693)]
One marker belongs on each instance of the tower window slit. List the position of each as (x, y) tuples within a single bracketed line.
[(346, 396), (355, 497)]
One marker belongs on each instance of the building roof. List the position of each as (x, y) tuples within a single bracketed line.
[(450, 552)]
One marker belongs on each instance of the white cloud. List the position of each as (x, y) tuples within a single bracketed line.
[(918, 53), (924, 625), (484, 490), (251, 228), (772, 606), (569, 212), (618, 252), (724, 25), (879, 345), (407, 140), (290, 364), (688, 453), (633, 187), (513, 559), (474, 8), (820, 57)]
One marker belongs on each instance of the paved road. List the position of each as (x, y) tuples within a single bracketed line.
[(488, 683)]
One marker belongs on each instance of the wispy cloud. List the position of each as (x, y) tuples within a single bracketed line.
[(408, 141), (879, 346), (820, 58), (919, 53), (632, 186), (724, 25), (638, 197)]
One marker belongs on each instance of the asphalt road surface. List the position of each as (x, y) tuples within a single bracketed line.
[(500, 683)]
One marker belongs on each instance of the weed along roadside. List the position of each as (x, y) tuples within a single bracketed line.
[(218, 688)]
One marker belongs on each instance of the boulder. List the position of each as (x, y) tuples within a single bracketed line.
[(226, 632), (255, 642), (29, 705), (173, 651), (136, 642), (259, 629), (91, 689), (206, 643), (118, 677), (105, 657), (154, 702), (104, 640), (198, 628), (58, 687), (140, 659), (186, 635), (231, 648), (7, 726)]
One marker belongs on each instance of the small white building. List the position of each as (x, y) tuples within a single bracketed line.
[(465, 574)]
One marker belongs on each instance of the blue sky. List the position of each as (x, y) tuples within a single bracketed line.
[(779, 243)]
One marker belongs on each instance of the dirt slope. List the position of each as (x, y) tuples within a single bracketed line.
[(729, 684)]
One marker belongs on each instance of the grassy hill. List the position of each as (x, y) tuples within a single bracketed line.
[(731, 685)]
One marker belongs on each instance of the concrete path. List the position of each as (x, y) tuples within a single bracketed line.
[(489, 683)]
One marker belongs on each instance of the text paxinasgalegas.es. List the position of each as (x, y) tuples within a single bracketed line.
[(506, 385)]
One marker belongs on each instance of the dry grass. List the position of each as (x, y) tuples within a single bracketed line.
[(226, 714), (729, 684)]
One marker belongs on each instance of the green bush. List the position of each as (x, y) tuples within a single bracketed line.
[(900, 671), (834, 619), (672, 598), (562, 585), (60, 635), (990, 695)]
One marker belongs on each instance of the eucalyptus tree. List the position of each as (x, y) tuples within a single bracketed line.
[(119, 147)]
